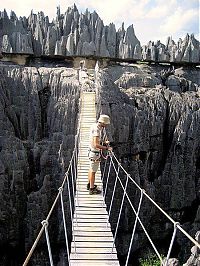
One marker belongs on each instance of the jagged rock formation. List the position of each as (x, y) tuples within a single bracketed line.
[(195, 256), (172, 262), (38, 119), (73, 34), (154, 131), (186, 50)]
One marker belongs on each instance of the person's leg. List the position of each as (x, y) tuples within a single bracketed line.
[(91, 178)]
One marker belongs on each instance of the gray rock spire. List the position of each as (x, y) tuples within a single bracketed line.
[(36, 35)]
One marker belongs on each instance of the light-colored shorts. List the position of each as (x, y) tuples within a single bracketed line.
[(94, 161), (94, 166)]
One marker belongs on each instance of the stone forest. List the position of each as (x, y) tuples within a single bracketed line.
[(152, 95)]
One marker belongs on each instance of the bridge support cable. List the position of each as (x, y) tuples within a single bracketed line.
[(73, 182), (104, 170), (45, 223), (70, 201), (120, 211), (135, 212), (115, 185), (108, 175), (134, 228), (171, 244), (143, 194), (64, 223)]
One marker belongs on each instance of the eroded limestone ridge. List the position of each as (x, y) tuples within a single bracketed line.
[(84, 34), (154, 131)]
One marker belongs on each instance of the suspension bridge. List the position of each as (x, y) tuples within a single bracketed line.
[(93, 242), (92, 237)]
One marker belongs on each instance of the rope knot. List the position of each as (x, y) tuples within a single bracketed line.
[(45, 223), (176, 224), (60, 189)]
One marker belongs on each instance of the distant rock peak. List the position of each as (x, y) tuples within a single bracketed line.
[(84, 34)]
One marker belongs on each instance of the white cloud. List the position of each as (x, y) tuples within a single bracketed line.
[(112, 10), (179, 20), (158, 12)]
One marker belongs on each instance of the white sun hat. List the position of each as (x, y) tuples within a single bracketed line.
[(105, 119)]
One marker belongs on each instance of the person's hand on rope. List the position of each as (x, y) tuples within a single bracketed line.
[(105, 152), (107, 142), (110, 148)]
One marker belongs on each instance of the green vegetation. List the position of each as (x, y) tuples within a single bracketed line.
[(150, 260)]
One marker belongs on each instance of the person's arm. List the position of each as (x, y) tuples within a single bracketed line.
[(97, 145)]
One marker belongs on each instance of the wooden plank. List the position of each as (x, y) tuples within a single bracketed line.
[(87, 196), (82, 189), (92, 215), (79, 227), (83, 177), (89, 205), (94, 263), (83, 182), (94, 250), (89, 214), (94, 225), (93, 234), (108, 244), (93, 256), (86, 212), (85, 192), (91, 201), (91, 209), (91, 220), (83, 185)]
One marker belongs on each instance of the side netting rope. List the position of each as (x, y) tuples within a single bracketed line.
[(72, 172), (112, 163)]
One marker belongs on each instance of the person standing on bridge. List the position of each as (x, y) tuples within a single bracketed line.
[(95, 138)]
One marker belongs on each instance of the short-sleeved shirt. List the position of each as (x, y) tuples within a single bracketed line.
[(95, 131)]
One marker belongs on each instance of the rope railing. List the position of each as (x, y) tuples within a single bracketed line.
[(114, 161), (59, 195), (136, 213), (71, 170)]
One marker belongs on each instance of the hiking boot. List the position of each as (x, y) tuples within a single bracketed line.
[(88, 186), (94, 191)]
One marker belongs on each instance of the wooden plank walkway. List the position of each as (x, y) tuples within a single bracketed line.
[(92, 238)]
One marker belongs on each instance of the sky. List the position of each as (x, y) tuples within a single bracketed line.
[(152, 19)]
